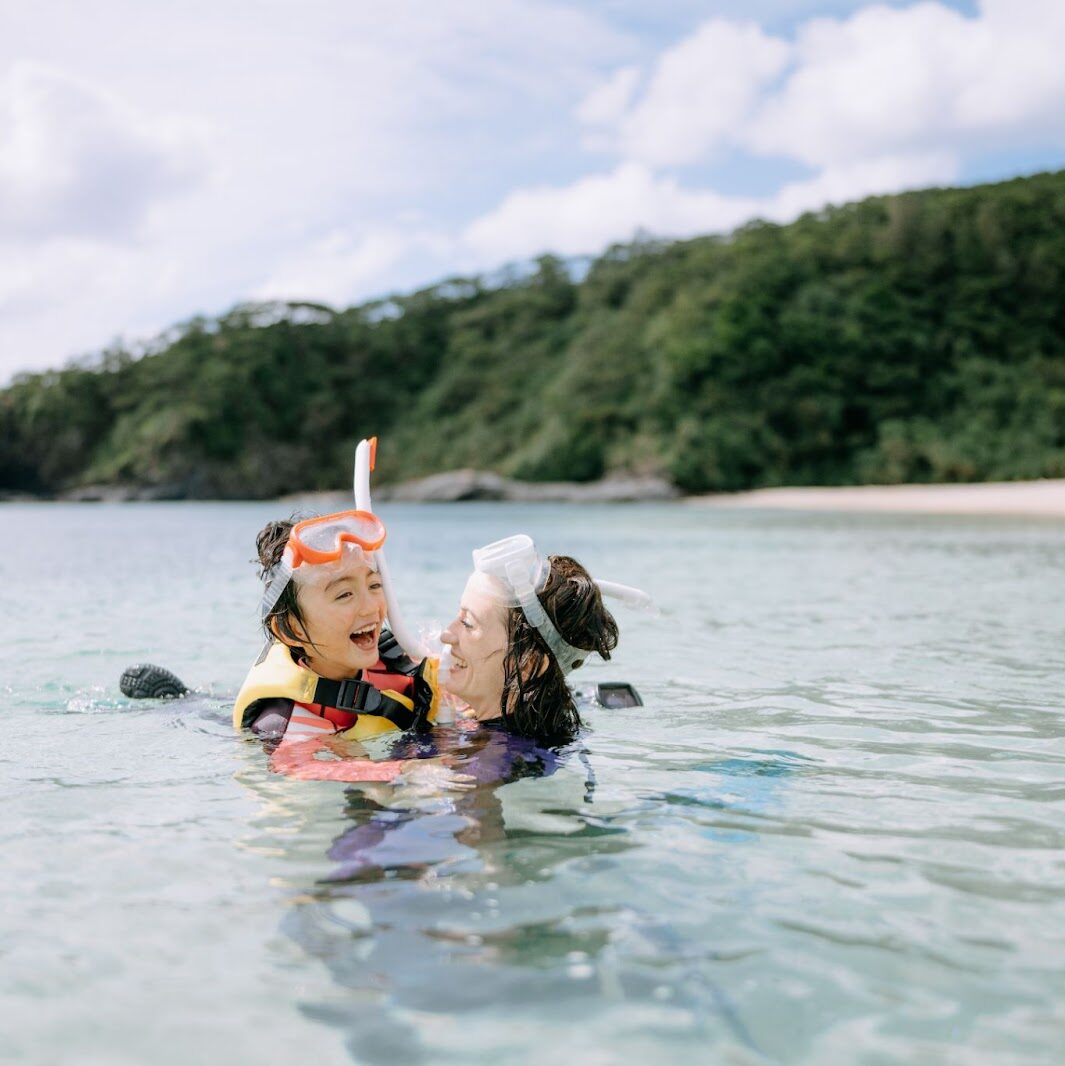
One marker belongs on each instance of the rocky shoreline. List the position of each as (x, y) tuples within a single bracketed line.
[(461, 485), (455, 486), (466, 486), (1022, 498)]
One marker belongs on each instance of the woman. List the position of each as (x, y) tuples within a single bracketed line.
[(523, 624)]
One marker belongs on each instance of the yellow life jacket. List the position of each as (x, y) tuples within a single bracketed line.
[(379, 710)]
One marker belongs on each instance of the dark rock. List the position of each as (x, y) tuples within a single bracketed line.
[(123, 493), (460, 485), (450, 487), (98, 494)]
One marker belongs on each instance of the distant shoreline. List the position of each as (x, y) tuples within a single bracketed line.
[(1022, 498), (1043, 498)]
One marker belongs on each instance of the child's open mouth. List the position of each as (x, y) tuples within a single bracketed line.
[(365, 639)]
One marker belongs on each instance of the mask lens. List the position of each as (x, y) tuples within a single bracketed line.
[(513, 561), (518, 570), (325, 536)]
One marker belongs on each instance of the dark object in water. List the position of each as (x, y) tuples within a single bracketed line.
[(147, 682), (617, 694)]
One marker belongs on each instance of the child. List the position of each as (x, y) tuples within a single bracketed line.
[(329, 665)]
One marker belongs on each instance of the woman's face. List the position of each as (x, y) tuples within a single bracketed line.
[(478, 639), (343, 611)]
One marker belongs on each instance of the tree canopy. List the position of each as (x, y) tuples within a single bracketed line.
[(909, 338)]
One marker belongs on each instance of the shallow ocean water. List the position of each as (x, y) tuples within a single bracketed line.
[(833, 834)]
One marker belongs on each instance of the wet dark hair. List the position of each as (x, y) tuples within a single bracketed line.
[(270, 545), (537, 702)]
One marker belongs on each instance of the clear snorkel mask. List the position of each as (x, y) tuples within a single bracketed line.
[(517, 572), (315, 548)]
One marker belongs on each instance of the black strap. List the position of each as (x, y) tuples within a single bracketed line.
[(393, 656), (362, 698)]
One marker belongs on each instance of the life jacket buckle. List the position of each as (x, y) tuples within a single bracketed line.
[(358, 696)]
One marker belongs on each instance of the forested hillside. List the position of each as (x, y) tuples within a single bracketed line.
[(918, 337)]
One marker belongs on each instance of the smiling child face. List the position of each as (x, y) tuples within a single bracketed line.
[(343, 608)]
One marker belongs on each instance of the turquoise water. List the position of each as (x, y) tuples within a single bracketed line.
[(834, 834)]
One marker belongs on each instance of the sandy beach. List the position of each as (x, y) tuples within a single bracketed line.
[(1043, 498)]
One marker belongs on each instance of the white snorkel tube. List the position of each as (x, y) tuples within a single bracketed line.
[(517, 572), (631, 597), (365, 453)]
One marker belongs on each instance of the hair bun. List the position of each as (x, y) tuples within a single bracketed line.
[(270, 543), (573, 600)]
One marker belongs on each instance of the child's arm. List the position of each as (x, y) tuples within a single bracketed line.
[(271, 718)]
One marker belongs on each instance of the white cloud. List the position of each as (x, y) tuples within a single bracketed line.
[(858, 178), (337, 268), (1016, 74), (319, 119), (884, 100), (607, 103), (75, 160), (885, 81), (87, 281), (596, 211), (698, 98), (920, 78)]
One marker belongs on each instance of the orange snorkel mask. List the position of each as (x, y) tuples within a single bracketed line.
[(320, 541)]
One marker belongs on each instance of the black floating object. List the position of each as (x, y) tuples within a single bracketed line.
[(617, 694), (147, 682)]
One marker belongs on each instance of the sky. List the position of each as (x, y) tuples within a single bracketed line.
[(164, 160)]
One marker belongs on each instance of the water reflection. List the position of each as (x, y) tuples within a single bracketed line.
[(436, 909), (408, 916)]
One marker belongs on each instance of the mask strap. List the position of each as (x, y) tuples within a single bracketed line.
[(278, 579), (565, 654)]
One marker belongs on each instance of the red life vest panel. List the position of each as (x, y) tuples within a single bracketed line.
[(381, 677)]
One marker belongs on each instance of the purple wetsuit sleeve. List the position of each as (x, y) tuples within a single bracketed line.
[(271, 718)]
